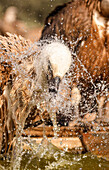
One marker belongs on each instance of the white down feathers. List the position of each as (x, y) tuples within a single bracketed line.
[(59, 57)]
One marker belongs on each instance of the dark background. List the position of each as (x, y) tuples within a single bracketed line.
[(31, 11)]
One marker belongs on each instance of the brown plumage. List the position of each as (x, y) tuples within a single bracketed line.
[(24, 87), (83, 25), (16, 96)]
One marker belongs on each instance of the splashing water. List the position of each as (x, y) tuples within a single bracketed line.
[(28, 67)]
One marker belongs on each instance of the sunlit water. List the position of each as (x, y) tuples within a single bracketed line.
[(54, 159)]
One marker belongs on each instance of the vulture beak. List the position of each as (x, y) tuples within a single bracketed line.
[(56, 60), (59, 61), (54, 84)]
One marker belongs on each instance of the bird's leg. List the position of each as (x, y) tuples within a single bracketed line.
[(106, 116), (41, 107), (100, 107), (53, 119), (75, 100), (103, 108)]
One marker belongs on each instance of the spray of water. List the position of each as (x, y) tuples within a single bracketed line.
[(31, 88)]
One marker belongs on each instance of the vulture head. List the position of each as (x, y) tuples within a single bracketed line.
[(55, 60)]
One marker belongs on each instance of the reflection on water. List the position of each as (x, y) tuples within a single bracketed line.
[(60, 160), (47, 156)]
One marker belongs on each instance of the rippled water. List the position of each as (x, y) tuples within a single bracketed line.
[(60, 161), (47, 156)]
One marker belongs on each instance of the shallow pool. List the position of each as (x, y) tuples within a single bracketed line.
[(58, 160)]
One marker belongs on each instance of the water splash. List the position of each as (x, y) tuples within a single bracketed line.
[(28, 67)]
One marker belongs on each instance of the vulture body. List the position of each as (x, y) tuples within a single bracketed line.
[(84, 26), (27, 76)]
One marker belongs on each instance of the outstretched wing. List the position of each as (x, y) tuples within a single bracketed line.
[(16, 56)]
